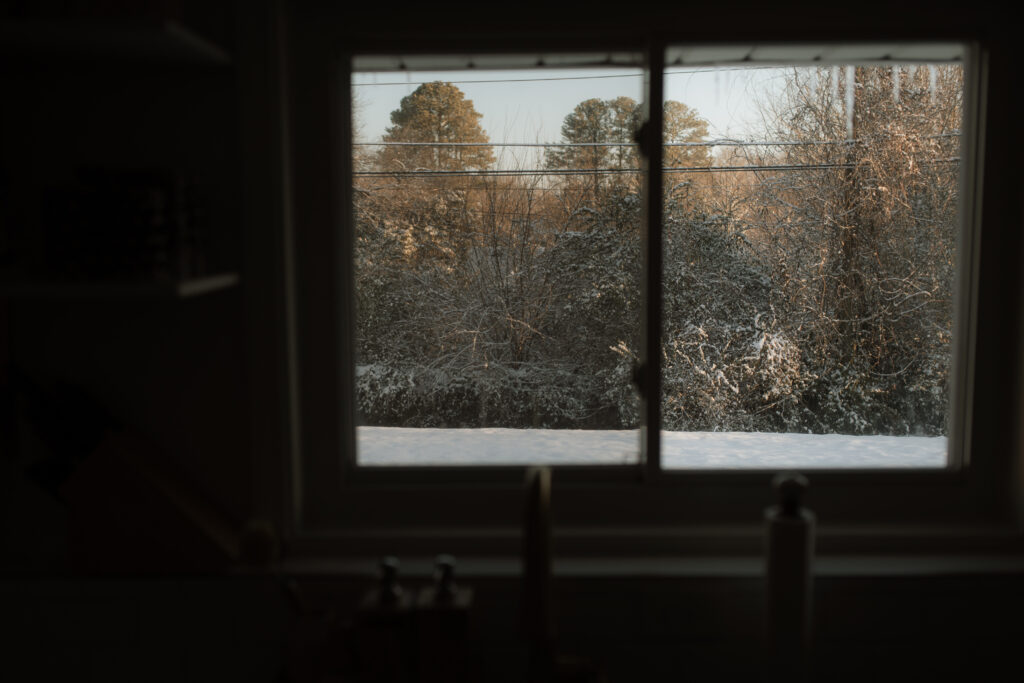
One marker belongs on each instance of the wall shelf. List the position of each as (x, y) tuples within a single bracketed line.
[(181, 289), (164, 41)]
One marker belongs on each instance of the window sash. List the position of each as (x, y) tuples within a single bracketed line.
[(655, 63)]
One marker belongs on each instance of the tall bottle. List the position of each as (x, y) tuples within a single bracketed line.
[(789, 533)]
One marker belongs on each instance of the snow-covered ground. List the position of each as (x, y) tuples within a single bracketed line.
[(699, 450)]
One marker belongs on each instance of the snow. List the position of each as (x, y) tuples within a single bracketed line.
[(696, 450)]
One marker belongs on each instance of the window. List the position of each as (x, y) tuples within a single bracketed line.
[(644, 506), (808, 244)]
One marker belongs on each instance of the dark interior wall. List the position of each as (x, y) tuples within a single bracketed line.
[(172, 370), (169, 370)]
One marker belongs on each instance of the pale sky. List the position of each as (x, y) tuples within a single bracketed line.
[(518, 106)]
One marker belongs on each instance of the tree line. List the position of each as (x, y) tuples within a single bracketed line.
[(813, 294)]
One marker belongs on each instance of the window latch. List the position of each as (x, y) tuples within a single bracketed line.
[(640, 378), (642, 137)]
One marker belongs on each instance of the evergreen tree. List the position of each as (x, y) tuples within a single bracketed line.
[(684, 124), (592, 122), (436, 112), (617, 120), (597, 121)]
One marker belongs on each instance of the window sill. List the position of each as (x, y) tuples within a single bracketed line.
[(733, 550), (745, 567)]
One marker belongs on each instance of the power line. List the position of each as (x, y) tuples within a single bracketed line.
[(573, 78), (613, 171), (720, 142)]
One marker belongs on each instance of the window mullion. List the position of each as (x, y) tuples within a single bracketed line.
[(651, 148)]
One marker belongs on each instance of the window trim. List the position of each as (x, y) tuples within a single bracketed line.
[(596, 509)]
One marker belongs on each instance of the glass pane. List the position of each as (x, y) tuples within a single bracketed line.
[(810, 230), (497, 266)]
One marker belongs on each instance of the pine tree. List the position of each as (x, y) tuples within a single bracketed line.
[(684, 124), (597, 121), (436, 112)]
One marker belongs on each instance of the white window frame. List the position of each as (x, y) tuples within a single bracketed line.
[(608, 511)]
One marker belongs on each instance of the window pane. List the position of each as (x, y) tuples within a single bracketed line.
[(810, 226), (497, 265)]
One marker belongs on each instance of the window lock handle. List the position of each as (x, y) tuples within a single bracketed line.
[(642, 137), (640, 377)]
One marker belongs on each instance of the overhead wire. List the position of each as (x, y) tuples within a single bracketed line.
[(720, 142), (573, 78), (612, 171)]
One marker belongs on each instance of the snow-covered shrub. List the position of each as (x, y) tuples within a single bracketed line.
[(724, 366)]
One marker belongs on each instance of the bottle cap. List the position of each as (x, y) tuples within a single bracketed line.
[(790, 488)]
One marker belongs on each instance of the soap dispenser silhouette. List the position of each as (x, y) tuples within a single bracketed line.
[(789, 537)]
